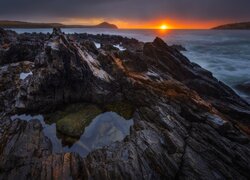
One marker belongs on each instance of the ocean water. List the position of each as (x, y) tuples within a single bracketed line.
[(226, 53)]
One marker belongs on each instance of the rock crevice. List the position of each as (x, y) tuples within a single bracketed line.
[(187, 124)]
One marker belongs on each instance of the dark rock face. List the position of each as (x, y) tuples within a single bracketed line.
[(235, 26), (107, 25), (244, 87), (179, 47), (16, 48), (187, 124)]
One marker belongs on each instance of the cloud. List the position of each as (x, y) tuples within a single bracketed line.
[(125, 9)]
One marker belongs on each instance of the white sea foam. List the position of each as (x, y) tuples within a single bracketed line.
[(25, 75), (121, 48), (97, 45)]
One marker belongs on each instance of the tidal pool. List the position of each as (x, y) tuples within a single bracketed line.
[(104, 129)]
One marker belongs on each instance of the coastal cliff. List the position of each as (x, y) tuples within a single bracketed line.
[(20, 24), (234, 26), (186, 123)]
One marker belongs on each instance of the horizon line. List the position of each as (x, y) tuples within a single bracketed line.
[(67, 24)]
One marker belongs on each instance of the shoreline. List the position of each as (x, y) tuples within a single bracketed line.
[(181, 113)]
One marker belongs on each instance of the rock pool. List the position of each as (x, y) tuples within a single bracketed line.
[(104, 129)]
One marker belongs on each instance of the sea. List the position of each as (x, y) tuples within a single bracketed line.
[(226, 53)]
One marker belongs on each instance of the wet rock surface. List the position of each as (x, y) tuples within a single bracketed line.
[(179, 47), (187, 124), (244, 87)]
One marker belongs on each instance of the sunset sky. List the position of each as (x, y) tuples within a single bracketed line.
[(176, 14)]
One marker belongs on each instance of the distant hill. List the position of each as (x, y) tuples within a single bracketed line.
[(242, 25), (20, 24), (106, 25)]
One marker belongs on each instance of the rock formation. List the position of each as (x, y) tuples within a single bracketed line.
[(244, 87), (20, 24), (234, 26), (187, 124)]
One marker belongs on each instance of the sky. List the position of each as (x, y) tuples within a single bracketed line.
[(177, 14)]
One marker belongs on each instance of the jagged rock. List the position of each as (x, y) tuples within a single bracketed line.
[(244, 87), (179, 47), (6, 36), (187, 124), (3, 35), (17, 48), (132, 61), (56, 32)]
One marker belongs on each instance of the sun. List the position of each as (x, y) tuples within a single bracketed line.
[(164, 26)]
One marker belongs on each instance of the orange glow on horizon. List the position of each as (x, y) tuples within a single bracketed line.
[(154, 24), (164, 27)]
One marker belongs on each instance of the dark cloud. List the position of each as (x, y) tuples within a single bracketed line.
[(126, 9)]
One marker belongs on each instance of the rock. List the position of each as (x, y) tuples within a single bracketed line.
[(17, 48), (158, 42), (3, 34), (56, 31), (74, 123), (132, 62), (22, 150), (179, 47), (244, 87), (187, 124), (90, 46), (6, 36), (109, 47), (124, 109)]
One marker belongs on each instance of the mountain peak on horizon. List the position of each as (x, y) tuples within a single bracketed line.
[(22, 24), (107, 25)]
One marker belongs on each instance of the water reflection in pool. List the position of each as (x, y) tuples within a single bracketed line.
[(105, 129)]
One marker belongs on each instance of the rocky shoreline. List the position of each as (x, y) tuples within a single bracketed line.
[(186, 123)]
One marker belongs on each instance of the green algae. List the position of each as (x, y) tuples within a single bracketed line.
[(67, 140), (72, 120), (73, 124), (59, 114), (122, 108)]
